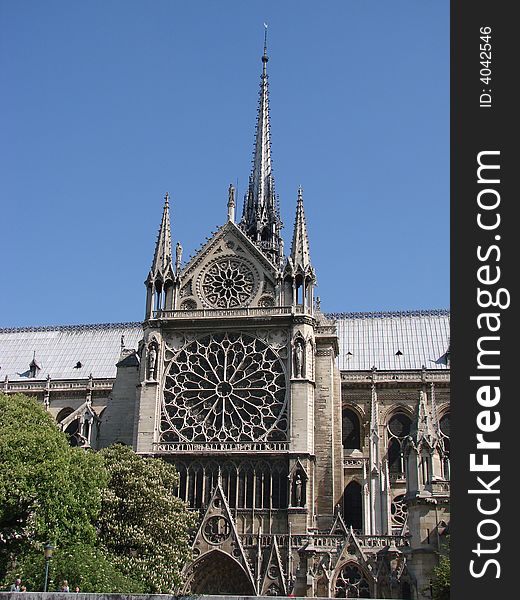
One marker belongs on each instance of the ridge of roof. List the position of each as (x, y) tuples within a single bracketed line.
[(82, 327), (433, 312)]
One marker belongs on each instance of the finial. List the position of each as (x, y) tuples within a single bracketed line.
[(231, 203), (300, 193), (265, 58), (166, 198)]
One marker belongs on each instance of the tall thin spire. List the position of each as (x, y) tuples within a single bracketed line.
[(300, 253), (162, 259), (261, 218)]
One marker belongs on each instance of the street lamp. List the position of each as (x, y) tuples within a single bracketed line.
[(47, 553)]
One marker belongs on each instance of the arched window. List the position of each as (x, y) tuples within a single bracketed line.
[(353, 506), (398, 430), (63, 414), (444, 425), (352, 582), (351, 430)]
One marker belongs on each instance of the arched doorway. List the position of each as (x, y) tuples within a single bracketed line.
[(217, 573)]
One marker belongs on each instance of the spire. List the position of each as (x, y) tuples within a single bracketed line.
[(162, 260), (261, 217), (300, 253)]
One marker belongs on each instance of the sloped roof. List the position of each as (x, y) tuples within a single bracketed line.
[(393, 340), (387, 340), (59, 349)]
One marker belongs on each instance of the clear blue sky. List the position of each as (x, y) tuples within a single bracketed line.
[(107, 104)]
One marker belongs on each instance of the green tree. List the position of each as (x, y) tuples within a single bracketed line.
[(142, 523), (48, 490), (441, 577), (112, 516), (89, 567)]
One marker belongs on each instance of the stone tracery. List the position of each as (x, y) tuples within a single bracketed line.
[(225, 387), (352, 583), (228, 283)]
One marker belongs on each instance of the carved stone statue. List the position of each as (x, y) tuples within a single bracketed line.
[(298, 491), (152, 361), (298, 358)]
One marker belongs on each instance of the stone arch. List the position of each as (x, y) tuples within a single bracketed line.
[(392, 411), (398, 426), (218, 573), (351, 581), (64, 413)]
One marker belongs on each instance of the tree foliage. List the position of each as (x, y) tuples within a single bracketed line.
[(441, 577), (48, 490), (142, 523), (89, 567), (112, 516)]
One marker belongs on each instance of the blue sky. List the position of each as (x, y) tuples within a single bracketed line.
[(107, 104)]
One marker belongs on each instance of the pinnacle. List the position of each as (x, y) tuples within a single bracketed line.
[(300, 252)]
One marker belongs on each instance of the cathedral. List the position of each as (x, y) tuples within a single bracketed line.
[(315, 447)]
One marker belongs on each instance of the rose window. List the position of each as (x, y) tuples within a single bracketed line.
[(216, 530), (228, 283), (225, 387)]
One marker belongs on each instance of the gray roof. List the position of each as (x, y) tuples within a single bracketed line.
[(393, 340), (365, 340), (57, 350)]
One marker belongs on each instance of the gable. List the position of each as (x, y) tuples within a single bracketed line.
[(228, 272)]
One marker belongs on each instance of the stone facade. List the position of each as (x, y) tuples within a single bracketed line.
[(311, 477)]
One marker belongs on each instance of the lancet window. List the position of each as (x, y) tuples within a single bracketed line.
[(248, 484), (444, 426), (353, 506), (351, 430), (398, 429)]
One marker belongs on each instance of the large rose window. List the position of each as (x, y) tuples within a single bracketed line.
[(228, 283), (225, 387)]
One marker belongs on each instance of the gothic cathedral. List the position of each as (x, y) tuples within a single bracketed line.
[(315, 447)]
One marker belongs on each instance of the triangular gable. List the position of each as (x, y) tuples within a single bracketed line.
[(298, 466), (352, 551), (339, 526), (217, 531), (274, 581), (211, 245)]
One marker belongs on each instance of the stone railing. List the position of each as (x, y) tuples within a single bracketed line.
[(353, 463), (235, 447), (395, 376), (31, 385), (321, 541), (270, 311)]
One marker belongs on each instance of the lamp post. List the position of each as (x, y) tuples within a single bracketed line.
[(47, 553)]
